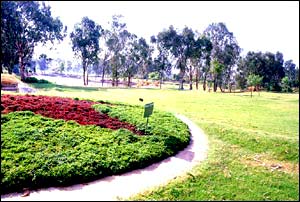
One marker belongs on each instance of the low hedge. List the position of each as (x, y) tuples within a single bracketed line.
[(41, 152), (35, 80)]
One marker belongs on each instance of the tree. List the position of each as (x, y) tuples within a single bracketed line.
[(267, 65), (205, 59), (225, 50), (254, 81), (192, 50), (216, 70), (199, 58), (9, 57), (23, 25), (131, 57), (145, 57), (43, 62), (69, 66), (241, 79), (286, 84), (103, 63), (180, 46), (291, 72), (117, 38), (230, 58), (154, 76), (161, 63), (85, 40), (61, 67), (162, 66), (274, 70)]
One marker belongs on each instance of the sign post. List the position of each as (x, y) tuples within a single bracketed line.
[(148, 111)]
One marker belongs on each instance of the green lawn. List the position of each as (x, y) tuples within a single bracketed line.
[(254, 142)]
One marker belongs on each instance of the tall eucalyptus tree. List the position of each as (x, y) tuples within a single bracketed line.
[(225, 51), (85, 40)]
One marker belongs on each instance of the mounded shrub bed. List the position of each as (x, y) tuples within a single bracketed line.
[(39, 151)]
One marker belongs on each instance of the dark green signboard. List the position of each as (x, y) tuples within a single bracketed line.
[(148, 109)]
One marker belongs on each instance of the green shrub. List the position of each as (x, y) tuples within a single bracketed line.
[(31, 80), (153, 75), (35, 80), (104, 108), (43, 81)]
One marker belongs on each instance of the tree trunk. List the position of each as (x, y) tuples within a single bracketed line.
[(197, 77), (182, 71), (220, 86), (181, 80), (117, 78), (257, 89), (113, 78), (160, 80), (83, 76), (181, 85), (215, 85), (83, 67), (113, 75), (191, 79), (129, 77), (103, 72), (10, 68), (87, 78), (22, 66), (204, 83)]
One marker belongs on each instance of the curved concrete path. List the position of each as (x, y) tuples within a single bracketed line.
[(123, 186)]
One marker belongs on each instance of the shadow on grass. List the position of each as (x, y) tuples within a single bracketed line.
[(64, 88)]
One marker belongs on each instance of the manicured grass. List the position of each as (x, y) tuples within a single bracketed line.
[(254, 142)]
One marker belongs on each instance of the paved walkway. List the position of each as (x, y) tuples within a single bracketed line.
[(122, 186)]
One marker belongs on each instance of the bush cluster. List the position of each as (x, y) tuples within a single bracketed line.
[(35, 80)]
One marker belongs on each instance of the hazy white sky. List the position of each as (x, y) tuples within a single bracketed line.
[(257, 25)]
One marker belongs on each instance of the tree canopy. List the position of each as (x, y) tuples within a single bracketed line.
[(23, 25)]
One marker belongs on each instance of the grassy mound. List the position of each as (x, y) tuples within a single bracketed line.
[(42, 152)]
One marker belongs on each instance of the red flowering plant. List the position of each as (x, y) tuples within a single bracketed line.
[(67, 109)]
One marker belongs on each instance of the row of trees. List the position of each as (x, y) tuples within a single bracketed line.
[(212, 56), (271, 67), (122, 53)]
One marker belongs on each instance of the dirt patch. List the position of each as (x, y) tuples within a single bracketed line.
[(271, 164)]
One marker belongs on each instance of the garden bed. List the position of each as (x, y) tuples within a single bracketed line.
[(58, 141)]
